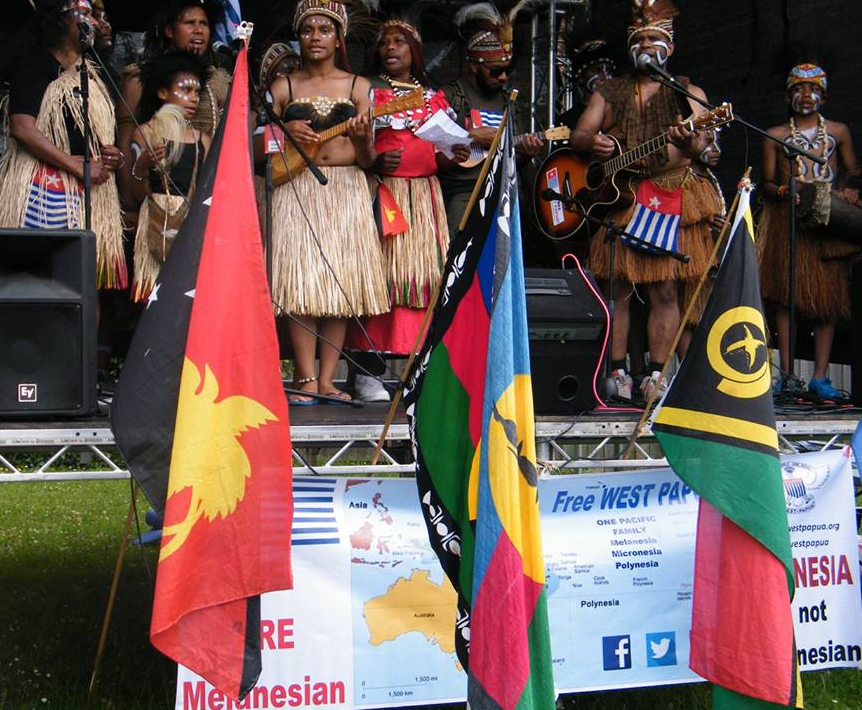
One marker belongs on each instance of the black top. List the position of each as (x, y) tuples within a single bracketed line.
[(182, 171), (323, 111), (34, 70)]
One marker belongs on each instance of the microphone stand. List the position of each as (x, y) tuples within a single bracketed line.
[(612, 231), (791, 151), (84, 92)]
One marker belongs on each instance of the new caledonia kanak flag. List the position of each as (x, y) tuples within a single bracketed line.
[(716, 426), (470, 408), (201, 419)]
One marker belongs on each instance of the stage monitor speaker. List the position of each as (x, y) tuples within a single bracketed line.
[(47, 323), (566, 324)]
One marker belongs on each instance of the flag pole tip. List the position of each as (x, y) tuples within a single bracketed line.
[(244, 30)]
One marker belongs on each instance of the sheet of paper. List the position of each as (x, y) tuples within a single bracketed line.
[(443, 132)]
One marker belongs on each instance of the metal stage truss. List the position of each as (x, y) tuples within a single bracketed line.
[(593, 442)]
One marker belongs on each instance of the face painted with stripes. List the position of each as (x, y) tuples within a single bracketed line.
[(806, 99), (652, 43)]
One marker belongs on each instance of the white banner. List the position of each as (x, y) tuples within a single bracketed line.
[(370, 620)]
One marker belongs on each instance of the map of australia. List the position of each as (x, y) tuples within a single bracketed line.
[(414, 604)]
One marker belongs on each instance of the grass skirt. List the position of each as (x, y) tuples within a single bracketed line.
[(413, 261), (700, 205), (822, 287), (340, 272)]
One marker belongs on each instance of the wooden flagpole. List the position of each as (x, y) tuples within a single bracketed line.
[(718, 242), (474, 196)]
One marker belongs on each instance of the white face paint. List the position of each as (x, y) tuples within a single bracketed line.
[(796, 103), (660, 47)]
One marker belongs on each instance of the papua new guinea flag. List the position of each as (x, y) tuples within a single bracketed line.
[(716, 426), (471, 414), (201, 418)]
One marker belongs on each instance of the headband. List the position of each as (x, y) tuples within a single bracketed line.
[(806, 74), (399, 25), (335, 11), (652, 16)]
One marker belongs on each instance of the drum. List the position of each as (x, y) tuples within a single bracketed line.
[(836, 222)]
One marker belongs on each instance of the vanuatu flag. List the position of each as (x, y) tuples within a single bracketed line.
[(201, 419), (717, 428), (471, 414)]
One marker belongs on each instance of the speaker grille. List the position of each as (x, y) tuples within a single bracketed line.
[(42, 353)]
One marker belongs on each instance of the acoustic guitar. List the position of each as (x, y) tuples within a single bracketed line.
[(282, 170), (599, 186), (478, 153)]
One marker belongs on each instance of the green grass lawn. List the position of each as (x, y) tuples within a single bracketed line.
[(58, 545)]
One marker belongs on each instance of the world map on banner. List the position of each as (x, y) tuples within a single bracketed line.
[(406, 607)]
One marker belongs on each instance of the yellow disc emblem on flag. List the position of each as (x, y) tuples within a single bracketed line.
[(736, 348)]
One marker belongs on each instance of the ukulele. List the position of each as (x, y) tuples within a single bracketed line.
[(290, 163), (599, 186), (478, 153)]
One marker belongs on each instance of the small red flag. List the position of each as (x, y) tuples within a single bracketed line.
[(392, 219), (226, 535)]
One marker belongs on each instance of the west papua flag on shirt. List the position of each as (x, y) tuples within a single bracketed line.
[(656, 218)]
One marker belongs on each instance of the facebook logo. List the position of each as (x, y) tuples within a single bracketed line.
[(661, 649), (616, 652)]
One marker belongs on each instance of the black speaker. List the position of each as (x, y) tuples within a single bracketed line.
[(566, 324), (47, 323)]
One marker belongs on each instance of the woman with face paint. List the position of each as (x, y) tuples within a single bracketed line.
[(43, 168), (170, 154), (822, 261), (327, 265), (179, 25), (636, 109), (406, 177)]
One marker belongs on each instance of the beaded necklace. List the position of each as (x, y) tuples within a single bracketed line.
[(399, 88), (821, 140)]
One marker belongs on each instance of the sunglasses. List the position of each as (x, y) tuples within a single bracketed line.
[(498, 71)]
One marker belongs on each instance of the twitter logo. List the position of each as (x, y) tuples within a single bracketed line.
[(661, 648)]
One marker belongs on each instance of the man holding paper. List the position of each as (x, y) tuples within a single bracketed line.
[(478, 98)]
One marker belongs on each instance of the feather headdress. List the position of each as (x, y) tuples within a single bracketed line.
[(487, 32), (656, 15)]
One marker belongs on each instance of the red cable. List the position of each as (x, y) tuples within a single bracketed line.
[(601, 300)]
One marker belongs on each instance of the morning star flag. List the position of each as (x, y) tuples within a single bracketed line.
[(201, 419), (716, 426), (471, 414), (656, 216)]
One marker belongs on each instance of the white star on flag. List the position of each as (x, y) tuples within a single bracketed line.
[(52, 180), (154, 296), (654, 202)]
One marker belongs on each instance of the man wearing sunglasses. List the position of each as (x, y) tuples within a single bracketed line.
[(478, 98)]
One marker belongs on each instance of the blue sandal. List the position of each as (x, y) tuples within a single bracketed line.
[(302, 402)]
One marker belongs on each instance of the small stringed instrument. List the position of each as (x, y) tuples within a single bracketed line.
[(478, 153), (281, 170), (599, 186)]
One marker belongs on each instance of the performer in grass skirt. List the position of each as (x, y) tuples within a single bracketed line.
[(410, 210), (327, 265)]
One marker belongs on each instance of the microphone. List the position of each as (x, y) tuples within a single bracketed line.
[(85, 29), (227, 50), (645, 61), (549, 195)]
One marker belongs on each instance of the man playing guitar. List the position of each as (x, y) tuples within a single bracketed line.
[(636, 108)]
